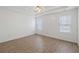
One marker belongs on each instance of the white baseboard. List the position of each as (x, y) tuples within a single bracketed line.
[(17, 37), (56, 37)]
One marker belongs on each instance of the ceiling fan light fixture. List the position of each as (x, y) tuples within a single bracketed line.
[(39, 9)]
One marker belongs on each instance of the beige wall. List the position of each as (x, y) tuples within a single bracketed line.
[(50, 26), (78, 26), (16, 23)]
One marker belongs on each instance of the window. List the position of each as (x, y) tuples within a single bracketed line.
[(65, 23)]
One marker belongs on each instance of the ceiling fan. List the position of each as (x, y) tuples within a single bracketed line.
[(39, 9)]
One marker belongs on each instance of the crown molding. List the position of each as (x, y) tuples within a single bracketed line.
[(55, 10), (24, 10)]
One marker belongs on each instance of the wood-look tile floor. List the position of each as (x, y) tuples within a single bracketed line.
[(38, 44)]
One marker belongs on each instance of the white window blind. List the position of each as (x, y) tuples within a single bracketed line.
[(65, 23)]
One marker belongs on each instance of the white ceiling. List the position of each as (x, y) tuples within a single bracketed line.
[(22, 9), (51, 7), (26, 8), (19, 9)]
